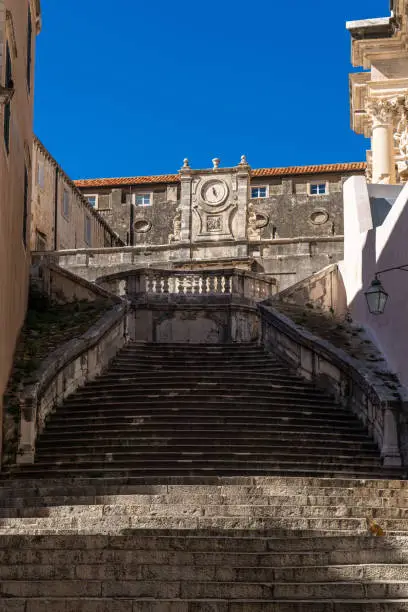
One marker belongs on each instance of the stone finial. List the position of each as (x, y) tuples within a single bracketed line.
[(186, 163), (216, 163), (243, 161)]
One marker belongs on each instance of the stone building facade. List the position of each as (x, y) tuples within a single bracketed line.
[(20, 22), (379, 95), (284, 222), (61, 218)]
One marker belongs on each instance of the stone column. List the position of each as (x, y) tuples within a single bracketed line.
[(185, 201), (382, 114)]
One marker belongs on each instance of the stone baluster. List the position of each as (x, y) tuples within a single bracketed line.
[(165, 284), (211, 284), (227, 283)]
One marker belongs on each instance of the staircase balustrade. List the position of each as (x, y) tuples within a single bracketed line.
[(192, 283)]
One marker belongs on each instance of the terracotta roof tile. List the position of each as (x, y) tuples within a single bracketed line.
[(259, 172)]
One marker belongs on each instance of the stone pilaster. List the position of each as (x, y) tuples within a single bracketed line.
[(185, 201), (243, 186)]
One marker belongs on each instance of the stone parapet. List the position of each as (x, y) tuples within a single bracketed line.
[(67, 368), (380, 409)]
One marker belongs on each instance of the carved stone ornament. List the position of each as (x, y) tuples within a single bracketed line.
[(319, 216), (261, 220), (252, 229), (382, 111), (214, 224), (401, 134), (142, 226), (176, 235)]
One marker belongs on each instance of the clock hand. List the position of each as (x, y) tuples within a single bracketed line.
[(214, 191)]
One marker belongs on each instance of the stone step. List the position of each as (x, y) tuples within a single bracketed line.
[(228, 388), (202, 590), (162, 474), (227, 510), (107, 604), (133, 570), (367, 506), (152, 459), (98, 412), (232, 485), (195, 436), (208, 455), (197, 407), (226, 425), (335, 447), (197, 360), (212, 540), (198, 377), (175, 418), (96, 491), (35, 557), (198, 392)]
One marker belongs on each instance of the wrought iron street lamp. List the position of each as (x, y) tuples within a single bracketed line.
[(376, 295)]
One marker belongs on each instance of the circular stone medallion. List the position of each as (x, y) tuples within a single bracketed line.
[(142, 226), (318, 217)]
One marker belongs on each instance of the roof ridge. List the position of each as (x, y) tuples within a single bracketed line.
[(277, 171)]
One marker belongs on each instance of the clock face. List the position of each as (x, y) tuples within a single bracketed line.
[(214, 192)]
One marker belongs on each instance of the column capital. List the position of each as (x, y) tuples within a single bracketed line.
[(382, 111)]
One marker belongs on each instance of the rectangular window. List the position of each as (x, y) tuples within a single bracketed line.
[(29, 46), (65, 203), (88, 230), (93, 200), (143, 199), (40, 174), (25, 206), (7, 106), (259, 192), (318, 188)]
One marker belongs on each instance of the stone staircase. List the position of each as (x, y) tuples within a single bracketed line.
[(211, 479), (191, 410)]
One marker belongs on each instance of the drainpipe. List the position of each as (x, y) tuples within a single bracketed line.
[(56, 210)]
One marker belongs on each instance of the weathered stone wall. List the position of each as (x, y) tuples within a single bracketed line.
[(63, 286), (58, 226), (195, 323), (14, 215), (290, 211), (325, 290)]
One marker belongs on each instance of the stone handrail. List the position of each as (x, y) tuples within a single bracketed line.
[(68, 367), (149, 282), (377, 406)]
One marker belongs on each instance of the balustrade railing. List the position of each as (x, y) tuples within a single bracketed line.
[(204, 283)]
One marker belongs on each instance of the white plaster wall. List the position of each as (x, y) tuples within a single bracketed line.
[(368, 250)]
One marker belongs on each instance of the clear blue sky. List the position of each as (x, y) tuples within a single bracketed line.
[(132, 87)]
